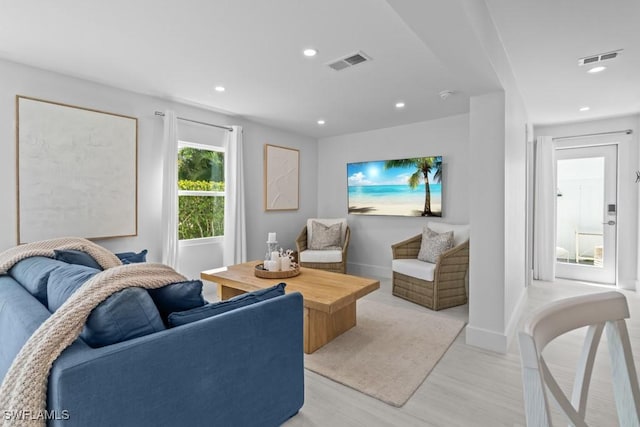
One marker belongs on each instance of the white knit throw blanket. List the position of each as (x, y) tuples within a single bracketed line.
[(24, 387), (105, 258)]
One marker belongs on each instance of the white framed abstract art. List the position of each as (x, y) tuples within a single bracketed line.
[(281, 178), (76, 171)]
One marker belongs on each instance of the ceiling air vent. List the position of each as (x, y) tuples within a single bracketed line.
[(349, 61), (599, 58)]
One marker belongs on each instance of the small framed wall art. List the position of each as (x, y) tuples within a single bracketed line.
[(281, 178)]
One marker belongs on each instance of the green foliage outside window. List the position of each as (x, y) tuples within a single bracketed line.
[(199, 215), (200, 165), (185, 184)]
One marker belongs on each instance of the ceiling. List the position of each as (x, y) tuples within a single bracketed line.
[(544, 40), (182, 50)]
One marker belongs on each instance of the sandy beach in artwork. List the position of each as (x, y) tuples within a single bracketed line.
[(400, 206), (402, 209)]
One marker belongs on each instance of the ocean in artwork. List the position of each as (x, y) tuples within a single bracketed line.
[(393, 199)]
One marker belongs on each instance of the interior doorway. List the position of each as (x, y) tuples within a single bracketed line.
[(586, 225)]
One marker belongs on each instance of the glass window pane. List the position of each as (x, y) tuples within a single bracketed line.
[(580, 206), (200, 216), (200, 170), (200, 165)]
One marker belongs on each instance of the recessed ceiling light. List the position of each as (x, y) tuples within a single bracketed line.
[(399, 104), (220, 88), (321, 122), (597, 69), (310, 52), (584, 108)]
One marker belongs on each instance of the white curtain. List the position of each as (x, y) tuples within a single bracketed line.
[(544, 222), (170, 190), (235, 236)]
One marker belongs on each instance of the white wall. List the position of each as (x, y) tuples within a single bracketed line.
[(372, 236), (287, 224), (497, 209), (24, 80), (487, 212), (628, 197), (515, 207), (498, 136)]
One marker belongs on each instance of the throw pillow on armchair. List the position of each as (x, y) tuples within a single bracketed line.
[(325, 237), (434, 244)]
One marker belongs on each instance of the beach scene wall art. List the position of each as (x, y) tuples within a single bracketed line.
[(399, 187)]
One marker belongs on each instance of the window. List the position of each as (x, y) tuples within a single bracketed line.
[(200, 191)]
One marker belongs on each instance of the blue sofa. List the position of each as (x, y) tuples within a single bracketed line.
[(240, 368)]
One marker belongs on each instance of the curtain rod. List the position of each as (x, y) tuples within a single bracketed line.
[(626, 132), (160, 113)]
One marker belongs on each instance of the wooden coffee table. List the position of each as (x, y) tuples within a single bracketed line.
[(329, 298)]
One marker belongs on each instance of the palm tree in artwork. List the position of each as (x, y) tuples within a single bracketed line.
[(424, 166)]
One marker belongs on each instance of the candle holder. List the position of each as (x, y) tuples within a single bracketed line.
[(271, 247)]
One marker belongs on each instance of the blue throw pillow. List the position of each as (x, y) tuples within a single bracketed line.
[(132, 257), (177, 297), (213, 309), (73, 256), (127, 314), (33, 273), (64, 281)]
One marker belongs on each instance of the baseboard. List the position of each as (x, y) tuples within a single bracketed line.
[(514, 321), (629, 285), (368, 270), (494, 340), (486, 339)]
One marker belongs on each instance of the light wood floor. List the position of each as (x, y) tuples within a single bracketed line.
[(469, 386)]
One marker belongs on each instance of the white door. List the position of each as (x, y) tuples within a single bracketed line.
[(586, 213)]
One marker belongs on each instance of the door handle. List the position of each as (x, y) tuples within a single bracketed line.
[(610, 222)]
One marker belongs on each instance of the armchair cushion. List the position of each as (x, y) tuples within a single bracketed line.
[(414, 268), (325, 237), (327, 221), (434, 244), (460, 231), (320, 256)]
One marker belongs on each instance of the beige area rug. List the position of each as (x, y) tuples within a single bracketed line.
[(388, 354)]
